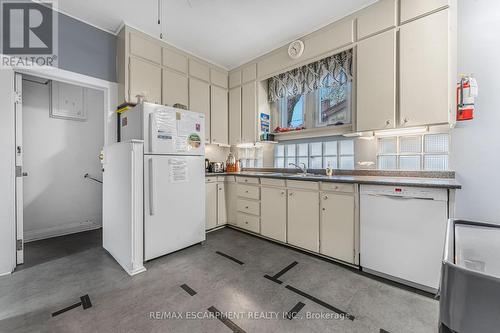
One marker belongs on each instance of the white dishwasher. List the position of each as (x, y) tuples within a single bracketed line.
[(402, 232)]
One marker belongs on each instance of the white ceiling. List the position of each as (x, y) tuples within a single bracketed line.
[(224, 32)]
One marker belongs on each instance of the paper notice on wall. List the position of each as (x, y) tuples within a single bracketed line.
[(178, 170)]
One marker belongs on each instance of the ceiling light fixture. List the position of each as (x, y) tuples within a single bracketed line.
[(402, 131), (161, 16)]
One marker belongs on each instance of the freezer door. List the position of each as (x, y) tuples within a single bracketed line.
[(174, 203), (173, 131)]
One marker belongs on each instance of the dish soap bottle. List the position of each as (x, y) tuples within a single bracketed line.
[(329, 170)]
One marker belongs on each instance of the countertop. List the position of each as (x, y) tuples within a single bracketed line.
[(448, 183)]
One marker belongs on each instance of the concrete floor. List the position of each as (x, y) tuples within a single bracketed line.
[(51, 281)]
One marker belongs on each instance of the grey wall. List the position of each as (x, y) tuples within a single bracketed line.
[(86, 50), (476, 144)]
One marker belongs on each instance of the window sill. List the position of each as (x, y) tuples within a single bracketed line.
[(314, 132)]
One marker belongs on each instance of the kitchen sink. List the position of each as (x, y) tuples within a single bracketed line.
[(306, 175)]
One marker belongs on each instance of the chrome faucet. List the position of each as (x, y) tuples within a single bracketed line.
[(303, 169)]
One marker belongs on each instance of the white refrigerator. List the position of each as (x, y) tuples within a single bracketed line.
[(173, 175)]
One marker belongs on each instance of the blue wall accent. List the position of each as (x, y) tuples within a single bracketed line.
[(86, 50)]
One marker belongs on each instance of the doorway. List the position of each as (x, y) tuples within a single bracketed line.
[(59, 136)]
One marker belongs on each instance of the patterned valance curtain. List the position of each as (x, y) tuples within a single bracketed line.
[(311, 77)]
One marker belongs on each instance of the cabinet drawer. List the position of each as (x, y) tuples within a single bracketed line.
[(248, 222), (210, 179), (249, 191), (249, 207), (301, 184), (230, 179), (145, 48), (273, 182), (247, 180), (337, 187)]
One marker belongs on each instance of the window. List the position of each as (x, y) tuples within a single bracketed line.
[(251, 157), (292, 111), (420, 152), (336, 154), (334, 101)]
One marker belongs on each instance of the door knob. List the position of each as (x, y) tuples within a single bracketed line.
[(25, 174)]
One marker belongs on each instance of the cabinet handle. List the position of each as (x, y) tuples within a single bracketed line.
[(325, 197), (405, 121), (323, 209), (246, 207), (387, 123), (282, 193), (291, 193), (246, 191), (246, 180), (246, 222)]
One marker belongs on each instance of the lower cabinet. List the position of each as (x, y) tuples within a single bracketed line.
[(231, 201), (210, 204), (273, 213), (337, 227), (248, 222), (221, 204), (303, 219)]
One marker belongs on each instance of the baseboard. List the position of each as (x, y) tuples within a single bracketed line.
[(60, 230)]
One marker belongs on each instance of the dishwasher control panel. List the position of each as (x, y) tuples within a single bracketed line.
[(405, 191)]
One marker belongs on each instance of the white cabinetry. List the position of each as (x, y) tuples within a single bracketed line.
[(231, 199), (175, 88), (425, 71), (235, 116), (210, 203), (249, 112), (303, 219), (376, 82), (273, 213), (221, 204), (144, 80), (337, 229), (411, 9), (219, 115), (376, 18), (199, 101)]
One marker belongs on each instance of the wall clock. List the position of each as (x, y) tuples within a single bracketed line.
[(295, 49)]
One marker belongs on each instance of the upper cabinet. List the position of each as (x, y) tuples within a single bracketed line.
[(174, 60), (376, 82), (144, 80), (174, 88), (411, 9), (218, 78), (376, 18), (235, 116), (249, 73), (234, 79), (145, 47), (199, 101), (425, 78), (249, 112), (165, 75), (219, 115), (199, 70)]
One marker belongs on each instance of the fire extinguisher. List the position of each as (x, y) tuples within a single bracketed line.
[(467, 91)]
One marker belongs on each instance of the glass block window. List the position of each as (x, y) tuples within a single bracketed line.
[(417, 152), (252, 157), (336, 154)]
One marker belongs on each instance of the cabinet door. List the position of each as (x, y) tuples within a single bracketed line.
[(219, 115), (144, 79), (337, 226), (221, 204), (199, 101), (376, 84), (175, 88), (411, 9), (273, 213), (231, 202), (377, 17), (210, 205), (249, 113), (424, 71), (235, 116), (303, 219)]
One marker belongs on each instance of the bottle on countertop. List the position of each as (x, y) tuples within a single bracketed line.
[(329, 170)]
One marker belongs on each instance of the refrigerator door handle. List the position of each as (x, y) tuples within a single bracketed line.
[(152, 192), (152, 132)]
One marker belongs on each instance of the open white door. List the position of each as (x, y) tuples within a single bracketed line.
[(18, 107)]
